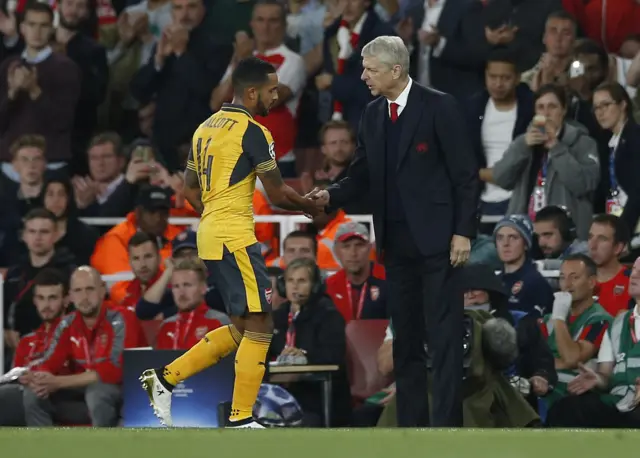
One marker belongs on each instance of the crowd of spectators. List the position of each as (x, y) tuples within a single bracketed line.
[(98, 102)]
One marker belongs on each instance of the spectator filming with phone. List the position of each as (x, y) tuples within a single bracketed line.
[(553, 163)]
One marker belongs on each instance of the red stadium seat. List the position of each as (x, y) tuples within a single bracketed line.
[(151, 329), (364, 337)]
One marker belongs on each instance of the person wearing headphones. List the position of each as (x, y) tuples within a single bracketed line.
[(309, 329), (557, 237)]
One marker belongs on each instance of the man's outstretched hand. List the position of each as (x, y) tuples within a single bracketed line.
[(320, 196)]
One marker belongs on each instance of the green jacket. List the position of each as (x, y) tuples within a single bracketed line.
[(489, 401)]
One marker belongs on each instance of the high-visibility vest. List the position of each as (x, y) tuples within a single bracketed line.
[(265, 232), (627, 364), (593, 314)]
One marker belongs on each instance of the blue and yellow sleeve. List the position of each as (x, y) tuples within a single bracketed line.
[(258, 144), (191, 163)]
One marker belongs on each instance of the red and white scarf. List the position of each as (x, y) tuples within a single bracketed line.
[(347, 42)]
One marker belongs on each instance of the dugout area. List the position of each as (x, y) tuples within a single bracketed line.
[(306, 443)]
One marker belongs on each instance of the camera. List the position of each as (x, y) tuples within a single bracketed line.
[(576, 69)]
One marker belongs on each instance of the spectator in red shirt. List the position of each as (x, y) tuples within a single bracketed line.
[(194, 318), (92, 338), (50, 299), (358, 289), (608, 237), (144, 259), (607, 22)]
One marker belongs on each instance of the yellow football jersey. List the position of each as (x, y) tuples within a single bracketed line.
[(227, 152)]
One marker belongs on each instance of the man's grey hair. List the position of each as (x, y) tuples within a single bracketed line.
[(389, 50)]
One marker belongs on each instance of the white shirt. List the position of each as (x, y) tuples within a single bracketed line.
[(38, 58), (102, 198), (431, 19), (402, 99), (606, 353), (388, 334), (497, 132)]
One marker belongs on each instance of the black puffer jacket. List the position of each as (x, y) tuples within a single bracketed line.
[(320, 331)]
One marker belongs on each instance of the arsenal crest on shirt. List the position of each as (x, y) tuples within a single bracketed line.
[(516, 288), (374, 292), (618, 290), (267, 295), (201, 331)]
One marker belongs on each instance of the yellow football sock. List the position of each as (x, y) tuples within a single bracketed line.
[(212, 348), (250, 366)]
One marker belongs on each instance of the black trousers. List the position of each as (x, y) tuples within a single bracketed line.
[(426, 307), (588, 411)]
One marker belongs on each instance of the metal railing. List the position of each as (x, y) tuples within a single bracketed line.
[(287, 224)]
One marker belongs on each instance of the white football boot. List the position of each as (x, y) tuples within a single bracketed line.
[(249, 423), (159, 396)]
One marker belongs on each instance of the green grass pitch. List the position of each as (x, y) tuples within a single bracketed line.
[(303, 443)]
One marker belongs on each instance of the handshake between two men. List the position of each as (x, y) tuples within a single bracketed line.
[(460, 246)]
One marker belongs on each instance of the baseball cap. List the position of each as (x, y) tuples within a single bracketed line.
[(185, 239), (154, 198), (350, 230)]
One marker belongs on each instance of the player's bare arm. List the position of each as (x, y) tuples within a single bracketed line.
[(192, 190), (284, 196)]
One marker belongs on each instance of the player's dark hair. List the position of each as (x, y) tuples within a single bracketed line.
[(51, 277), (587, 47), (140, 238), (302, 235), (39, 7), (40, 213), (592, 268), (503, 55), (278, 3), (558, 91), (250, 72), (621, 233)]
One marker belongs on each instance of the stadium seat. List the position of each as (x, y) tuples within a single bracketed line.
[(151, 329), (364, 337)]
